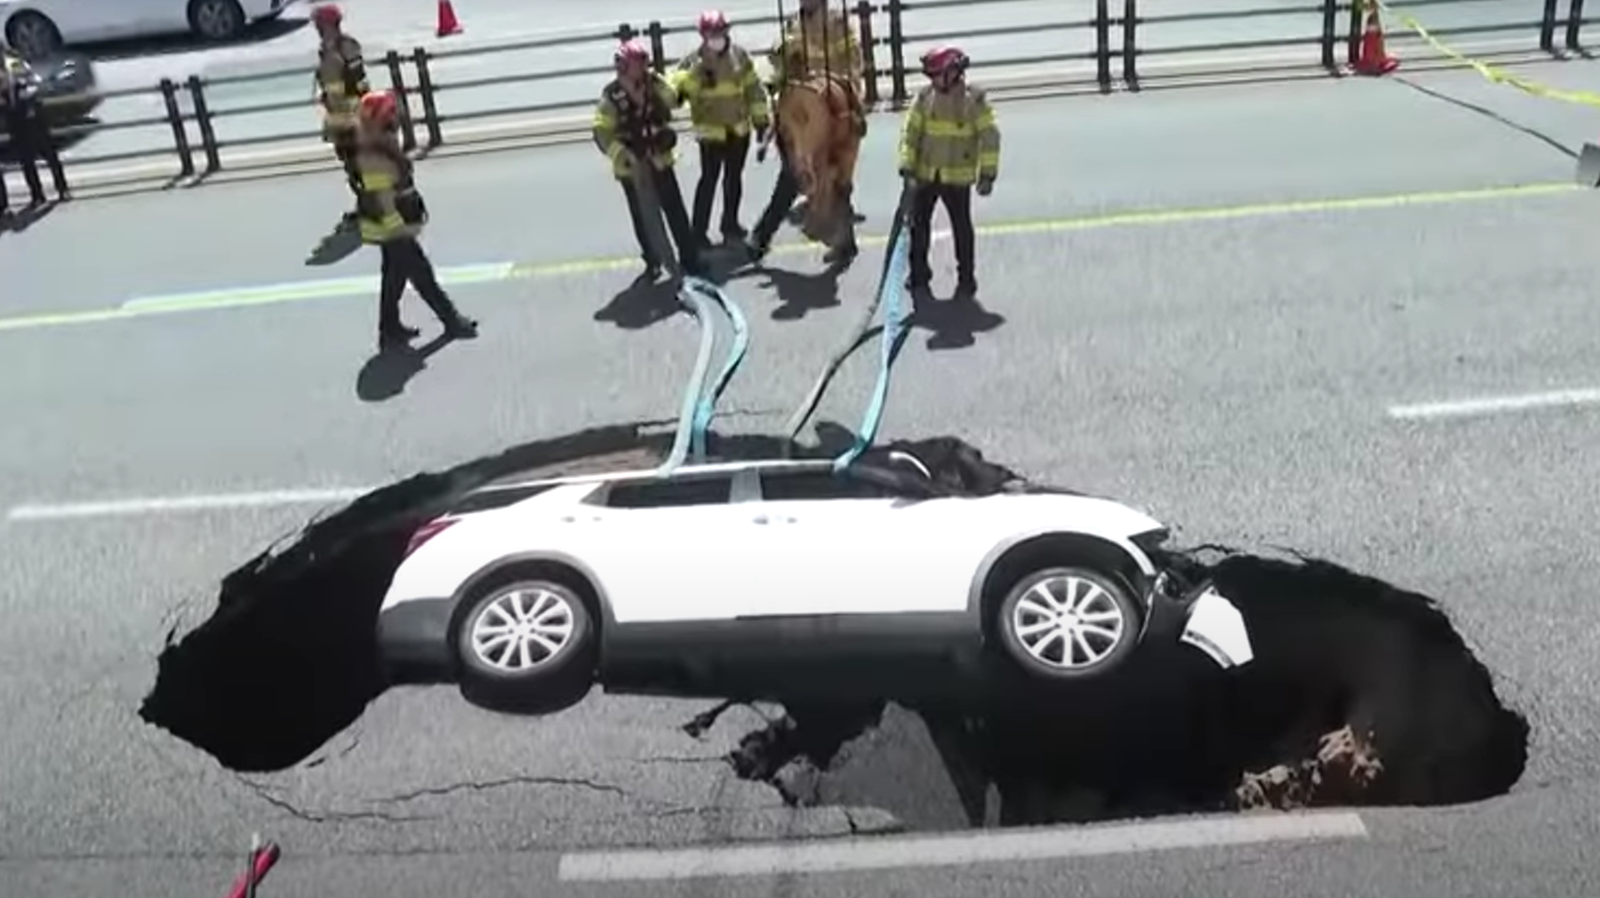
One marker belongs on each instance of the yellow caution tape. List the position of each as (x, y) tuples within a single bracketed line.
[(1492, 74)]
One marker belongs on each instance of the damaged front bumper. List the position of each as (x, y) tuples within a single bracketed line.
[(1211, 623)]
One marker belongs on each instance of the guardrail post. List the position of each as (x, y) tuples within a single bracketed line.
[(1102, 44), (1352, 46), (180, 134), (202, 115), (1330, 19), (897, 53), (1574, 24), (397, 81), (1547, 27), (1130, 44), (430, 109), (658, 49), (869, 59)]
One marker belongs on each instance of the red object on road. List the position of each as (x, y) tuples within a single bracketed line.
[(1372, 58), (448, 24), (263, 861)]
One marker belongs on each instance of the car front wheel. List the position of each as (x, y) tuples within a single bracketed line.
[(217, 20), (526, 646), (1068, 623), (32, 35)]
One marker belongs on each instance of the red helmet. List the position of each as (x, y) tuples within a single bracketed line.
[(630, 53), (712, 21), (325, 14), (379, 106), (944, 59)]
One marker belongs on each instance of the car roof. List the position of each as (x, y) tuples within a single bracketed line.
[(682, 472)]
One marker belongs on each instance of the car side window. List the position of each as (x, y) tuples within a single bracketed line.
[(668, 493), (820, 485)]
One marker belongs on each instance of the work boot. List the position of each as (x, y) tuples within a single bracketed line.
[(758, 246), (461, 328), (966, 287), (396, 337), (733, 232), (842, 255)]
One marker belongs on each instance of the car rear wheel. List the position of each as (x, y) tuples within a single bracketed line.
[(33, 35), (526, 645), (217, 20), (1068, 623)]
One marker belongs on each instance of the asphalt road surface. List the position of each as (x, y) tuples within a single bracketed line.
[(1250, 373), (473, 93)]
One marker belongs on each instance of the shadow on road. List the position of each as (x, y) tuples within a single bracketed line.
[(955, 322), (641, 304), (385, 375), (17, 221)]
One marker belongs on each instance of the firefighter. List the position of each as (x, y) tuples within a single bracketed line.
[(820, 41), (727, 101), (27, 129), (392, 215), (948, 143), (633, 127), (341, 82)]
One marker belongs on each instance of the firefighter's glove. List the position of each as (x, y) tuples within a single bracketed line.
[(985, 186)]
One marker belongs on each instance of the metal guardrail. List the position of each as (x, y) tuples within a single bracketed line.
[(1112, 39)]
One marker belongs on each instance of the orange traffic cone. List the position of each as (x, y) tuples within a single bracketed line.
[(1373, 59), (448, 23)]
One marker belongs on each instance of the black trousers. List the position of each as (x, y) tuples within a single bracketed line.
[(30, 139), (671, 199), (784, 192), (957, 200), (404, 263), (721, 160)]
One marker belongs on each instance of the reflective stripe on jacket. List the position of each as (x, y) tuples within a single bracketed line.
[(811, 46), (951, 137), (342, 78), (384, 171), (622, 122), (724, 93)]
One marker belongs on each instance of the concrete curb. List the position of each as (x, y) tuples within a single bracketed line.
[(306, 157)]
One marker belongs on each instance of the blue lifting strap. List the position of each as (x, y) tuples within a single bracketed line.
[(891, 290), (740, 345)]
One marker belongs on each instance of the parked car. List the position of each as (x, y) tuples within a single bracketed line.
[(39, 28), (534, 588)]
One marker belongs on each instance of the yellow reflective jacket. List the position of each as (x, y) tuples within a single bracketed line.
[(342, 82), (623, 122), (813, 45), (385, 172), (725, 95), (950, 137)]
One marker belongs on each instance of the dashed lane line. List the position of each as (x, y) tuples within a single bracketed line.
[(1483, 406), (501, 272), (957, 849)]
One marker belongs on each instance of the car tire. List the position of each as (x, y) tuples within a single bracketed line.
[(519, 672), (1068, 623), (217, 20), (33, 35)]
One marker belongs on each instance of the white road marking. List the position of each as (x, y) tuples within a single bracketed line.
[(955, 850), (58, 511), (1495, 405)]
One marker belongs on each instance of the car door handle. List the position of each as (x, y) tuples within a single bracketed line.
[(772, 519)]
